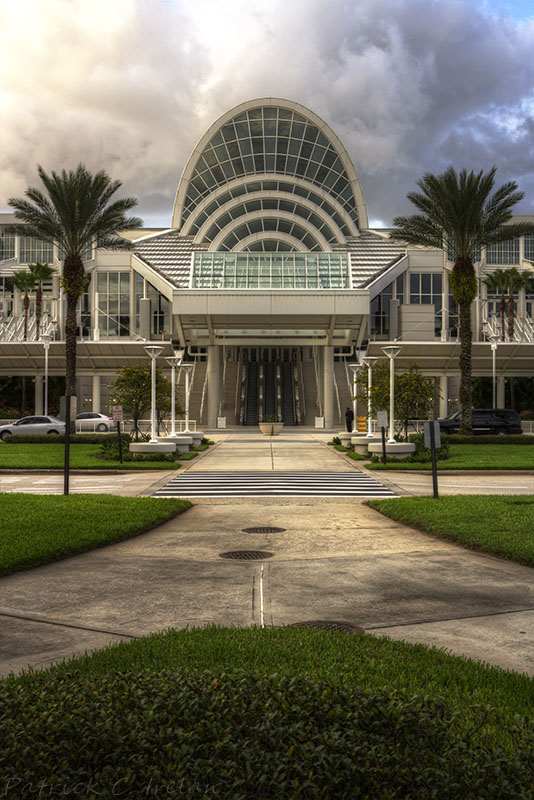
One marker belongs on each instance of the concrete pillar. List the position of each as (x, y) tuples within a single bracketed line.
[(144, 318), (214, 383), (96, 393), (500, 391), (39, 382), (320, 378), (444, 396), (328, 372)]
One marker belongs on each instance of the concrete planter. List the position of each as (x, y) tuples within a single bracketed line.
[(397, 449), (271, 428)]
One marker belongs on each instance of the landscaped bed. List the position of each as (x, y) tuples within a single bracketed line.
[(37, 529), (497, 524), (271, 713), (472, 456), (82, 456)]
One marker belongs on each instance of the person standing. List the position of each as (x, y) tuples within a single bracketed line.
[(349, 418)]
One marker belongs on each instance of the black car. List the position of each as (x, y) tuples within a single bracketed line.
[(499, 421)]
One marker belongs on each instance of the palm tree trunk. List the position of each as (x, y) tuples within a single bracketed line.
[(70, 344), (38, 307), (511, 317), (503, 314), (465, 398), (26, 310)]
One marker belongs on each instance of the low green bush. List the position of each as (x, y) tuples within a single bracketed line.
[(109, 451), (75, 438), (340, 447), (201, 447), (456, 438), (188, 456), (235, 737), (357, 456)]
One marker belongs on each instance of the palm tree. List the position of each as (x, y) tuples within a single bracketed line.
[(497, 282), (516, 281), (24, 282), (75, 214), (40, 272), (459, 212)]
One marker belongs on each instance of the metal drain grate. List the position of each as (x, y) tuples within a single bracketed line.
[(328, 625), (266, 529), (246, 555)]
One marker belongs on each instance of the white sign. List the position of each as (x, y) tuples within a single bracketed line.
[(437, 436), (221, 422), (319, 422), (116, 413), (382, 419)]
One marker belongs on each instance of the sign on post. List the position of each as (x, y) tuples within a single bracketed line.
[(437, 434), (433, 441), (361, 424), (382, 419), (116, 413)]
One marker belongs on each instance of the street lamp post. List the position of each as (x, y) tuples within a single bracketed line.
[(369, 361), (355, 370), (153, 351), (187, 368), (392, 352), (45, 338), (174, 362), (493, 341)]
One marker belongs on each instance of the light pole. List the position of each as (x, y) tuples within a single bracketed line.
[(369, 362), (153, 351), (187, 368), (174, 361), (493, 341), (355, 370), (392, 352), (45, 338)]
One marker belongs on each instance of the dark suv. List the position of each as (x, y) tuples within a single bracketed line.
[(485, 421)]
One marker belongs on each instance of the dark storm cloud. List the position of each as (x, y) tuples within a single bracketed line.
[(408, 86)]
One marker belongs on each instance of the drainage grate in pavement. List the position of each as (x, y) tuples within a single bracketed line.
[(328, 625), (246, 555), (266, 529)]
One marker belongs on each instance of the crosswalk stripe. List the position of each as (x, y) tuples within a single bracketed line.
[(274, 484)]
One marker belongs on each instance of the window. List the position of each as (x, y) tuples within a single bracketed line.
[(426, 289), (32, 250), (274, 269), (7, 246), (114, 304), (380, 312), (503, 252), (6, 295), (529, 246)]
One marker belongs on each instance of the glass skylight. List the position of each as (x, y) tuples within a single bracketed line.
[(270, 271)]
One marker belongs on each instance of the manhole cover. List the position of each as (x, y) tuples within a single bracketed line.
[(247, 555), (266, 529), (328, 625)]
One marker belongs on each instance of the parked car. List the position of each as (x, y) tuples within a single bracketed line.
[(32, 426), (92, 421), (499, 421)]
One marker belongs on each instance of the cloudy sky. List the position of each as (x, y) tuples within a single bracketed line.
[(131, 85)]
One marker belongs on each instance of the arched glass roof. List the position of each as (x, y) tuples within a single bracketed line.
[(270, 138)]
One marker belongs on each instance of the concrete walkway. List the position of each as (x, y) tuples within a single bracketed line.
[(336, 559)]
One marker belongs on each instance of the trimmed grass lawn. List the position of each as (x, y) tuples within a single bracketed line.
[(372, 663), (473, 456), (498, 524), (37, 529), (51, 456)]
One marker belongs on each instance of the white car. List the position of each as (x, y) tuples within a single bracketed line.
[(92, 421), (32, 426)]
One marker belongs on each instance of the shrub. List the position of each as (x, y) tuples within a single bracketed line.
[(519, 438), (340, 447), (75, 438), (109, 451), (237, 737)]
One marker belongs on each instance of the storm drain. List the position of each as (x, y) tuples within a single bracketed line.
[(246, 555), (328, 625), (263, 530)]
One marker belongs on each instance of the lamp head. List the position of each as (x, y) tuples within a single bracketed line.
[(154, 350), (370, 361), (392, 351), (355, 368), (173, 361)]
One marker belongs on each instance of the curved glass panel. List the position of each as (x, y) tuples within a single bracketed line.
[(269, 224), (269, 139), (270, 186), (269, 204), (270, 246)]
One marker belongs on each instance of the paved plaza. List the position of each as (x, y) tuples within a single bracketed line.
[(335, 559)]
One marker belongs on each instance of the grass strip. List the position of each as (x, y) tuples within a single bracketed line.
[(371, 663), (496, 524), (472, 456), (38, 529), (82, 456)]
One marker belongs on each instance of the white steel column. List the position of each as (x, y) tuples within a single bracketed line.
[(500, 391), (96, 393), (443, 400), (214, 383), (38, 394), (328, 355)]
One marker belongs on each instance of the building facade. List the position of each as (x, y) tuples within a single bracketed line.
[(271, 278)]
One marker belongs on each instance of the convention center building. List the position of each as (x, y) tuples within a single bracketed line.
[(272, 280)]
